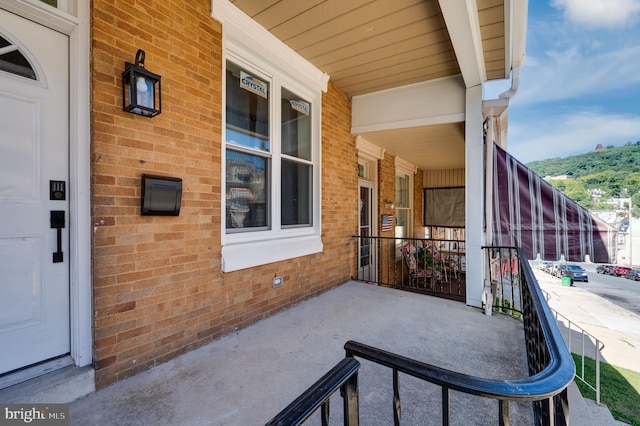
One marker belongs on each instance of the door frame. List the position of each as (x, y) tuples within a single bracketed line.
[(79, 190), (372, 269)]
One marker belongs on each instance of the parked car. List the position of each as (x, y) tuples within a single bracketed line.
[(600, 269), (545, 266), (633, 274), (576, 272), (620, 271), (607, 269)]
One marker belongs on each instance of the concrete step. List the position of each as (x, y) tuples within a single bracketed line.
[(585, 412), (58, 387)]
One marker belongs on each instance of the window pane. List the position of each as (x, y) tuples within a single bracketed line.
[(247, 109), (296, 125), (296, 193), (402, 191), (247, 193), (13, 61), (402, 223)]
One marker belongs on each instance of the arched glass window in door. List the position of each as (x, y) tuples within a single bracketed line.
[(13, 61)]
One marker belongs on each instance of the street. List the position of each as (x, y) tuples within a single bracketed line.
[(607, 307), (618, 290)]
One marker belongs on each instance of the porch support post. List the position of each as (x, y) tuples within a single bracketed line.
[(474, 195)]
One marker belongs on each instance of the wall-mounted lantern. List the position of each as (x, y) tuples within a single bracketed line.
[(141, 93)]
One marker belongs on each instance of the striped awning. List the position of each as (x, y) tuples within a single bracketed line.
[(530, 213)]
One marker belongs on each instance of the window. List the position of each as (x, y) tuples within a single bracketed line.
[(252, 158), (13, 61), (271, 156), (404, 198), (248, 152), (403, 205), (296, 176)]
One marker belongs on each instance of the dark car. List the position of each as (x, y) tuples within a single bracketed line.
[(576, 272), (620, 271), (633, 274), (605, 269)]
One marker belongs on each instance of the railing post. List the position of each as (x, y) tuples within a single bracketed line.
[(562, 407), (350, 401), (597, 371), (325, 413), (396, 397), (550, 405), (445, 406), (503, 409)]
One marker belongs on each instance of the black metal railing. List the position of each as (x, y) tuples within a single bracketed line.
[(343, 376), (515, 281), (430, 266), (550, 364)]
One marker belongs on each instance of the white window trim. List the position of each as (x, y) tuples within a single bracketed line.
[(404, 167), (248, 44)]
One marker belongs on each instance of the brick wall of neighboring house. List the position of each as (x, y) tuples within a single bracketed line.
[(157, 283)]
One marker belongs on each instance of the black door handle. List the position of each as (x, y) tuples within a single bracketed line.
[(57, 223)]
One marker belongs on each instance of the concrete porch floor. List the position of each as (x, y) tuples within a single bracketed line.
[(247, 377)]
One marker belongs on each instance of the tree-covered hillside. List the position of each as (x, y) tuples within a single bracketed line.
[(614, 171)]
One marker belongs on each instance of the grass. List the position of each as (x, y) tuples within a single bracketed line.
[(619, 389)]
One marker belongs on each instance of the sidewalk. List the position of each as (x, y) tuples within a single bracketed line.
[(616, 327)]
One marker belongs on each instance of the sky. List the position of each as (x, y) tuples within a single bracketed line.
[(580, 85)]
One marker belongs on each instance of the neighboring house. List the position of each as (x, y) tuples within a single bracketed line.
[(352, 108)]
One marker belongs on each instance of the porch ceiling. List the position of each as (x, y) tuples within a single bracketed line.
[(371, 45), (434, 147)]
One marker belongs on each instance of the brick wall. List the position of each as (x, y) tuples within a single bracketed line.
[(158, 289)]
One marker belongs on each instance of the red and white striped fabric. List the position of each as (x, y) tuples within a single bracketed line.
[(530, 213)]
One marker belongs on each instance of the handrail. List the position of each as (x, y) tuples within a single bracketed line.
[(540, 386), (344, 374), (548, 323), (551, 370), (556, 360), (598, 346)]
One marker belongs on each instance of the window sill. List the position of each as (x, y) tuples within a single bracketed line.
[(246, 255)]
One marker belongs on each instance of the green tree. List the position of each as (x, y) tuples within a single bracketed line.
[(610, 170), (632, 181)]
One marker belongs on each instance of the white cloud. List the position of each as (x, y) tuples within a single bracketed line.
[(561, 136), (570, 75), (599, 13), (580, 68)]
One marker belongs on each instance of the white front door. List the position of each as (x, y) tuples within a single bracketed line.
[(367, 245), (34, 166)]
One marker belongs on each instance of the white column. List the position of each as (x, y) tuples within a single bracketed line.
[(475, 201)]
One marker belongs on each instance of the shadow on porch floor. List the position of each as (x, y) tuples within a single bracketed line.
[(247, 377)]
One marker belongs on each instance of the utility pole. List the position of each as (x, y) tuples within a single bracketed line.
[(630, 236)]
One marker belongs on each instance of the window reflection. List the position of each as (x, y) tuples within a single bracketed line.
[(247, 190), (296, 193)]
